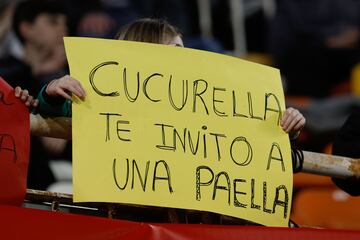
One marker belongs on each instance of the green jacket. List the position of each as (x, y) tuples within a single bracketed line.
[(53, 106)]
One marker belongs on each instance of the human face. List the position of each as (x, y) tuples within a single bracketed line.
[(176, 41), (47, 31)]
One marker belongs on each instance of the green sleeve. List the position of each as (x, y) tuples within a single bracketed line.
[(50, 108)]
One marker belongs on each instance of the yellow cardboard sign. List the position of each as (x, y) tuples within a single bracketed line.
[(176, 127)]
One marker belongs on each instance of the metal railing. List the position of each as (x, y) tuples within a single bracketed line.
[(61, 202)]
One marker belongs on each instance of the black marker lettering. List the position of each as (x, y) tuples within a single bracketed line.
[(107, 131), (198, 180), (115, 176), (237, 203), (217, 135), (249, 152), (226, 187), (145, 84), (251, 111), (235, 114), (185, 93), (253, 205), (166, 178), (283, 203), (122, 130), (91, 78), (271, 157), (216, 111), (265, 198), (267, 108), (197, 94), (163, 137), (142, 182), (127, 94)]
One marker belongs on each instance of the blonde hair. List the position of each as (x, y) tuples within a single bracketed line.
[(149, 30)]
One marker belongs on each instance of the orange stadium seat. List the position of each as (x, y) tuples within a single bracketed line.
[(326, 208), (303, 180)]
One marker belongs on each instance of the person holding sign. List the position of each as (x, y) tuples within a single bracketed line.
[(201, 164), (55, 97)]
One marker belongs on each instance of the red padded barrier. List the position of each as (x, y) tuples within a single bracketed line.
[(22, 223)]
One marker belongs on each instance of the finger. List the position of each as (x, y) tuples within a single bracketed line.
[(288, 119), (62, 93), (286, 116), (293, 123), (300, 122), (299, 125), (24, 95), (81, 90), (35, 103), (76, 87), (18, 91), (81, 93), (73, 89), (29, 100), (50, 87)]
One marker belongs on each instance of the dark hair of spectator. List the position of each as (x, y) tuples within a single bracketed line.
[(4, 4), (148, 30), (29, 10)]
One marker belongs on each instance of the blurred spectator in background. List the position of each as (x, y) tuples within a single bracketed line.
[(181, 13), (8, 42), (315, 43), (99, 18), (102, 18), (40, 26), (178, 12)]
